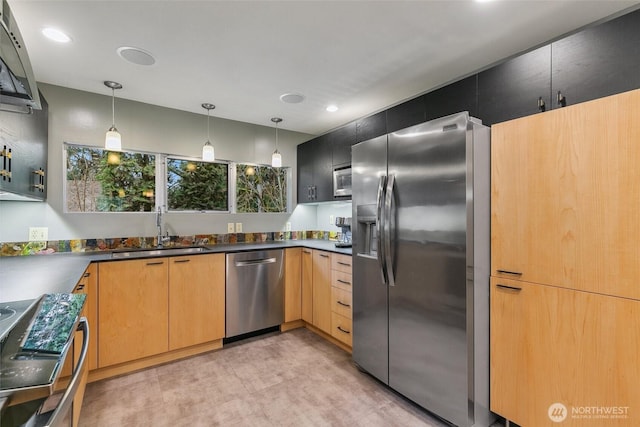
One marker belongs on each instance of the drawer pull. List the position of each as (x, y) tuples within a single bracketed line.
[(87, 274), (344, 281), (324, 255), (343, 330), (344, 263), (509, 288), (343, 304), (156, 263), (181, 261), (306, 252), (513, 273)]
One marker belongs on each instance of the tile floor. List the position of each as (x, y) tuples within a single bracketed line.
[(291, 379)]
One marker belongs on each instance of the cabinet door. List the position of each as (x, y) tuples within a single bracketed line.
[(90, 279), (552, 345), (371, 127), (322, 290), (513, 88), (598, 61), (307, 285), (305, 160), (341, 141), (407, 114), (196, 299), (564, 199), (323, 170), (133, 310), (292, 284), (459, 96)]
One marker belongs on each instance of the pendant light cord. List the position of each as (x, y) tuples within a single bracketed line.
[(113, 107), (208, 137), (276, 136)]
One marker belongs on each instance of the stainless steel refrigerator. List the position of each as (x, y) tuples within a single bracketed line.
[(420, 232)]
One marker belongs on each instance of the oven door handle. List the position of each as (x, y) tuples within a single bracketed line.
[(64, 405)]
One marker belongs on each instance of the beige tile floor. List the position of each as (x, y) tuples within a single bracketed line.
[(290, 379)]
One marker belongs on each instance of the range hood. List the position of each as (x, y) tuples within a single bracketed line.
[(18, 89)]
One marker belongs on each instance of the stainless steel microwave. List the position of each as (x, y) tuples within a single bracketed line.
[(342, 182)]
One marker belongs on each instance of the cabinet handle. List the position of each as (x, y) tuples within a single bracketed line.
[(87, 274), (513, 273), (79, 288), (343, 304), (156, 263), (309, 192), (324, 255), (541, 105), (344, 281), (344, 263), (181, 261), (562, 101), (343, 330), (509, 288), (306, 252)]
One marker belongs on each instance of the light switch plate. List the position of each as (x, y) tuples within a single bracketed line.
[(331, 220), (230, 228), (287, 226), (238, 227), (38, 234)]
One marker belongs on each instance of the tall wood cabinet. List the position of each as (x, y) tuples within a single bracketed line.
[(565, 263), (322, 290)]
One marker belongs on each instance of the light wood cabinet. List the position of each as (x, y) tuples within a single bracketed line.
[(292, 284), (133, 310), (322, 290), (307, 285), (565, 197), (341, 298), (554, 345), (196, 299)]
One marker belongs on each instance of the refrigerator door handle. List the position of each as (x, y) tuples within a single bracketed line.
[(388, 199), (379, 231)]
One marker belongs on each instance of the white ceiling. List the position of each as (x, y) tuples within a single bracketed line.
[(242, 55)]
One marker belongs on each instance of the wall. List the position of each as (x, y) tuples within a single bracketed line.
[(83, 118)]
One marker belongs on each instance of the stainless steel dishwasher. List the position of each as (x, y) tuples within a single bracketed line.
[(255, 291)]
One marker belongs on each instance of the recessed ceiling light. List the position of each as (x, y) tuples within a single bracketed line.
[(56, 35), (136, 55), (292, 98), (332, 108)]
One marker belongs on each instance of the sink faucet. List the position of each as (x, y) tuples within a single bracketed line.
[(161, 238)]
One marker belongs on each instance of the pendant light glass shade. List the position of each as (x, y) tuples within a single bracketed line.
[(208, 152), (113, 140), (276, 157)]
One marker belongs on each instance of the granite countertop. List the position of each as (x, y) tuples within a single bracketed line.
[(28, 277)]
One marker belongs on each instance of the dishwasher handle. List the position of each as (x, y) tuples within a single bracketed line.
[(255, 262)]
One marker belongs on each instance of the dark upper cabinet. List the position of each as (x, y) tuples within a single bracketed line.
[(371, 127), (315, 171), (513, 89), (341, 141), (458, 96), (407, 114), (598, 61)]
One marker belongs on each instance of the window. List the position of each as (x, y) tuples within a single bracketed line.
[(194, 185), (261, 188), (106, 181)]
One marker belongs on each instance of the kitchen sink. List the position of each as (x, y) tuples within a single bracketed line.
[(146, 253)]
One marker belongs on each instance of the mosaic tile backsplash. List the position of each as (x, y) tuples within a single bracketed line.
[(110, 244)]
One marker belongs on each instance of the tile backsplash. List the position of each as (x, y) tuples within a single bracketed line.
[(110, 244)]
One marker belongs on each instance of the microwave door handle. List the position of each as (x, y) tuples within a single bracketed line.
[(379, 218), (58, 414)]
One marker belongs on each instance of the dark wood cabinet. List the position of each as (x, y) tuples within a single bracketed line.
[(341, 141), (453, 98), (371, 127), (407, 114), (314, 170), (516, 88), (599, 61)]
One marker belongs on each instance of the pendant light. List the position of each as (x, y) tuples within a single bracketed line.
[(113, 141), (276, 157), (208, 152)]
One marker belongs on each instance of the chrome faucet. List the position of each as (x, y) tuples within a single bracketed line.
[(161, 238)]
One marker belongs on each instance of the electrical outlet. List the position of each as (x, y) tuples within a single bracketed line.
[(38, 234), (238, 227), (331, 220), (230, 228), (287, 226)]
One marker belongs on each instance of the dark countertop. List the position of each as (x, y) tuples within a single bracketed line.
[(28, 277)]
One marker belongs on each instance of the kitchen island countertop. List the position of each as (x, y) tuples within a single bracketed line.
[(28, 277)]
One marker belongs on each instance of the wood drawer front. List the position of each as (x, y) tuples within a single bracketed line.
[(341, 328), (341, 263), (341, 280), (341, 301)]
